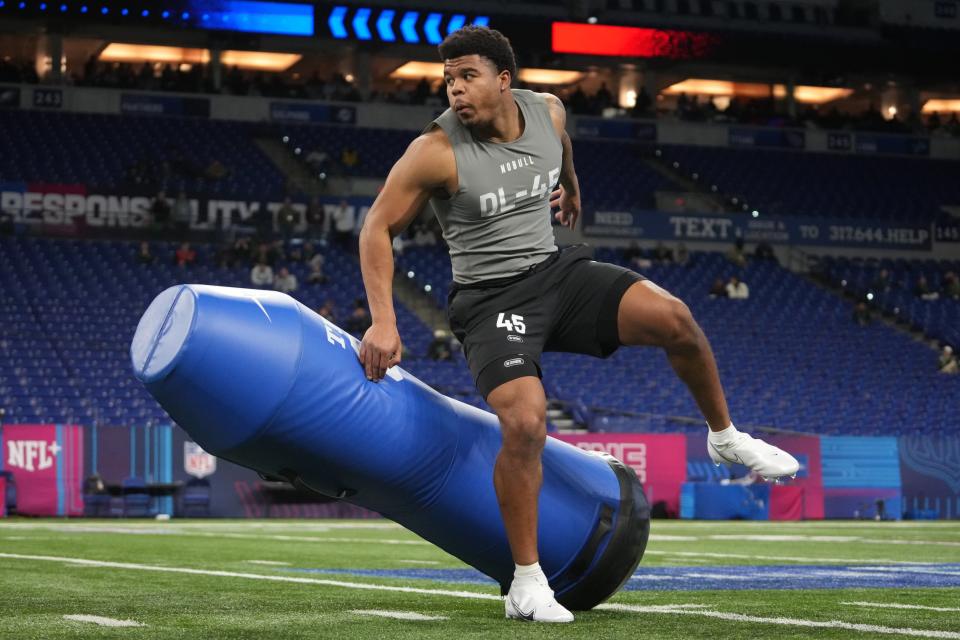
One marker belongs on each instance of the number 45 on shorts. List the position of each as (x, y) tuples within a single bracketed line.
[(515, 323)]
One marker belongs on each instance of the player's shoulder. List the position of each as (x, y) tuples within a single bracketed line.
[(431, 153), (558, 112)]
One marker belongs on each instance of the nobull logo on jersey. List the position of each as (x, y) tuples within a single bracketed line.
[(498, 201), (31, 455)]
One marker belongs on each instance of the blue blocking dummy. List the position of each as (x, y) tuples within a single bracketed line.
[(260, 380)]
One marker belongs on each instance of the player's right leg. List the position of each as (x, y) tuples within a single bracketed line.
[(520, 405)]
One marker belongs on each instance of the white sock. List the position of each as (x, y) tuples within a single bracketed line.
[(525, 572), (724, 436)]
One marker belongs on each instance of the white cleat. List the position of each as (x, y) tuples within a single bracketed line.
[(768, 461), (533, 601)]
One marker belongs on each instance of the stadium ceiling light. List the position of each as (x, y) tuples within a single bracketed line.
[(408, 27), (434, 70), (360, 26), (940, 105), (726, 88), (456, 22), (431, 27), (259, 60), (384, 26)]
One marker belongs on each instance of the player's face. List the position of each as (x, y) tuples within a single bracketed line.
[(474, 88)]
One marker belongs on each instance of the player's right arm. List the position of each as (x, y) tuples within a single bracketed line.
[(424, 169)]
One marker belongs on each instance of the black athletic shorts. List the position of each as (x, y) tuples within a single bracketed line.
[(568, 302)]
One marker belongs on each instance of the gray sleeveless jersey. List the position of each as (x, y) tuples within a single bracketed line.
[(498, 222)]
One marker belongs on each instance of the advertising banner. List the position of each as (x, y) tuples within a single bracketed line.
[(861, 477), (306, 112), (660, 460), (752, 137), (71, 209), (871, 143), (152, 104), (47, 466), (798, 230), (616, 129), (9, 97), (930, 471)]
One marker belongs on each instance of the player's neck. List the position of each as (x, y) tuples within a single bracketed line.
[(506, 126)]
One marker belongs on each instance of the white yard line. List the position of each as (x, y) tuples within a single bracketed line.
[(812, 538), (251, 576), (789, 622), (676, 609), (419, 561), (174, 531), (104, 622), (752, 556), (270, 563), (398, 615), (893, 605)]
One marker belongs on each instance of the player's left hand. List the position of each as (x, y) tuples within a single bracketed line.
[(568, 205)]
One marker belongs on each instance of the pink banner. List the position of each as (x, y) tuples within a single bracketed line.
[(660, 460), (806, 449), (3, 497), (786, 502), (47, 465)]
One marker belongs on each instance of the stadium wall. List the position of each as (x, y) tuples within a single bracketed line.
[(408, 117), (840, 477)]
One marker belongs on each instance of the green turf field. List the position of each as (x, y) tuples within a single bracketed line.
[(337, 579)]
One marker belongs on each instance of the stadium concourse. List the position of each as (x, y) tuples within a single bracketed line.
[(788, 169)]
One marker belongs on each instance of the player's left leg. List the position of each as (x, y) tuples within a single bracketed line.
[(650, 316)]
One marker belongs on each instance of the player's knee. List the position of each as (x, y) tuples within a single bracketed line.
[(684, 333), (524, 430)]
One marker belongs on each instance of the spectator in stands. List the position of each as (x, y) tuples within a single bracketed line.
[(924, 291), (160, 211), (951, 285), (316, 216), (424, 236), (268, 253), (882, 282), (185, 256), (764, 251), (344, 219), (7, 227), (261, 275), (683, 255), (641, 107), (288, 218), (328, 311), (718, 289), (737, 289), (633, 256), (318, 160), (216, 171), (440, 348), (236, 252), (661, 253), (316, 275), (143, 254), (862, 315), (182, 215), (359, 320), (285, 282), (736, 255), (349, 158), (947, 363)]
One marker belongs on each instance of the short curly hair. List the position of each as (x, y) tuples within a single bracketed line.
[(483, 41)]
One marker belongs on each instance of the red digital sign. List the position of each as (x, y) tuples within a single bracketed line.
[(634, 42)]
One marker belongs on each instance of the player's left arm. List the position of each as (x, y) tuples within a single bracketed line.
[(567, 196)]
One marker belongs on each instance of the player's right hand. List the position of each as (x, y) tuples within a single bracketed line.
[(380, 349)]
